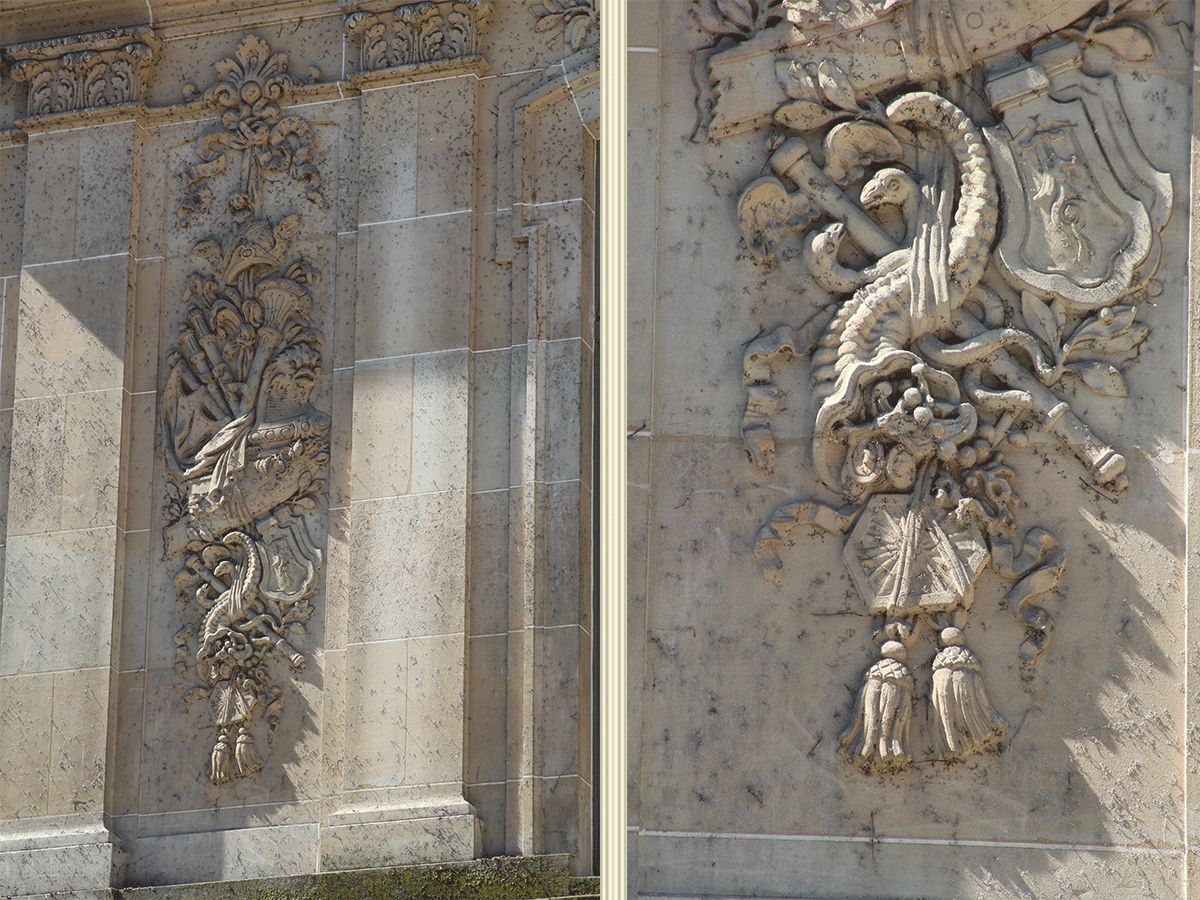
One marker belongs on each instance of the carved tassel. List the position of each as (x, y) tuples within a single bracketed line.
[(244, 755), (966, 721), (880, 730), (222, 758)]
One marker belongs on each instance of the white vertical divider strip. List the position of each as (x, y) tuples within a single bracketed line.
[(613, 544)]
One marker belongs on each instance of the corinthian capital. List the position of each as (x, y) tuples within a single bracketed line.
[(107, 68)]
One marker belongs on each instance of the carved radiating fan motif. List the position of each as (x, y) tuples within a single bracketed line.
[(969, 274), (246, 450)]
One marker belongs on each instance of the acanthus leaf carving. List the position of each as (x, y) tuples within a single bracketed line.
[(413, 34), (967, 271), (246, 450), (87, 72)]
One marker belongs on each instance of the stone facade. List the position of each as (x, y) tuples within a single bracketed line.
[(908, 456), (296, 375)]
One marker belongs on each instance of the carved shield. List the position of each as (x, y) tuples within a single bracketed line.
[(1073, 226), (289, 558)]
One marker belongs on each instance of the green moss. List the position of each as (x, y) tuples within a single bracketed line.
[(503, 878)]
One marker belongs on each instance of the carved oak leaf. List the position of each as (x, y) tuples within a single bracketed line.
[(1101, 377), (805, 115), (1126, 41), (739, 12), (1040, 318), (837, 87), (1110, 332)]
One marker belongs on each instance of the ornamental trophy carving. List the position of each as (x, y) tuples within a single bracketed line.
[(246, 451), (977, 260)]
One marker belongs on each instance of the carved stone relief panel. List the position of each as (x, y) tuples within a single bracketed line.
[(246, 450), (66, 75), (982, 268)]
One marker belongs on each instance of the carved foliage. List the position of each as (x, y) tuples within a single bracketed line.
[(417, 33), (246, 451), (578, 19), (64, 80), (923, 369)]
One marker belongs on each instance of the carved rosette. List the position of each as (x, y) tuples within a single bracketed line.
[(246, 450), (416, 33), (971, 280), (107, 69)]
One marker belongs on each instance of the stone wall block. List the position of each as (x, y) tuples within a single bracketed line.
[(144, 349), (557, 670), (487, 577), (487, 703), (109, 194), (563, 388), (51, 196), (490, 419), (414, 286), (564, 574), (445, 130), (439, 430), (135, 600), (377, 709), (36, 474), (12, 207), (68, 339), (387, 168), (92, 461), (58, 606), (342, 341), (25, 729), (434, 749), (79, 741), (383, 429), (423, 538)]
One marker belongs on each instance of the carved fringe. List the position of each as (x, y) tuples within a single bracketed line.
[(220, 770), (880, 730), (966, 721), (244, 755)]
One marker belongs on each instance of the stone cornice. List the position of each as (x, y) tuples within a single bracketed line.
[(90, 71)]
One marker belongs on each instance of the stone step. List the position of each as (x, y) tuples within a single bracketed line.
[(502, 878)]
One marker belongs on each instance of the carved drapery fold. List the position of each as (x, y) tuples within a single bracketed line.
[(245, 449), (87, 72), (414, 34)]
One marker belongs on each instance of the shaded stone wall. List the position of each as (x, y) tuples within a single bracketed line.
[(297, 366)]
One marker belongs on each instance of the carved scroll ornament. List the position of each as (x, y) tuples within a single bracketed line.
[(246, 450), (974, 277)]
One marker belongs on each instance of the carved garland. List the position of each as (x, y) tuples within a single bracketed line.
[(246, 451), (946, 333)]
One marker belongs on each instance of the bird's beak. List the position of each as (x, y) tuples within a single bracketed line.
[(872, 194)]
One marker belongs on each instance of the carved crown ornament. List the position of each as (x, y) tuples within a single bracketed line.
[(416, 34), (976, 266), (108, 68), (246, 451)]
